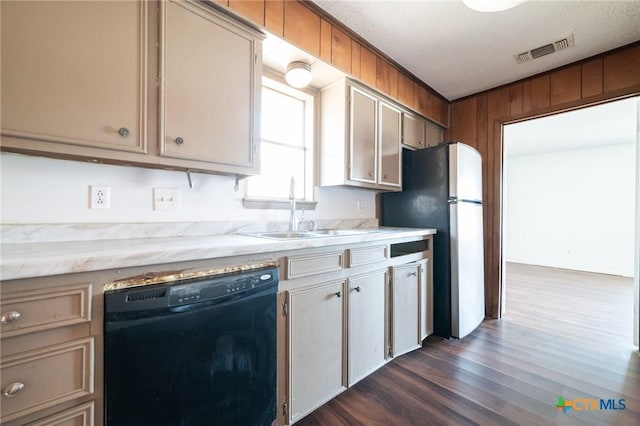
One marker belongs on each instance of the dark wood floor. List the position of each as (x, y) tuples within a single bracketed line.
[(565, 333)]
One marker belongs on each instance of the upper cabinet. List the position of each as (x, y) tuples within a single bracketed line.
[(360, 138), (95, 80), (418, 132), (210, 94), (74, 74)]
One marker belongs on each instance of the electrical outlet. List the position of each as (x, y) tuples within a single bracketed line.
[(99, 197), (166, 199)]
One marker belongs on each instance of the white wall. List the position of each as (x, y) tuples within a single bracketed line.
[(42, 190), (572, 209)]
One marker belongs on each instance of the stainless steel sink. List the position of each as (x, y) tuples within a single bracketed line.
[(286, 235), (297, 235), (331, 232)]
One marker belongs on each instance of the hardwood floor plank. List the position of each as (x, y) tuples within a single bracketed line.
[(565, 333)]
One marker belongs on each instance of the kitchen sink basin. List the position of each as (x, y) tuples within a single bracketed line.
[(296, 235), (329, 232), (286, 235)]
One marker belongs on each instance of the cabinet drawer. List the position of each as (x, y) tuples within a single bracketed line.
[(82, 415), (365, 255), (302, 266), (30, 311), (46, 377)]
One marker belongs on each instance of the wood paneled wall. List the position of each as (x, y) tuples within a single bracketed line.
[(477, 120), (306, 26)]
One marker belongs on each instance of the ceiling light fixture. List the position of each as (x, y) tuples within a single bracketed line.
[(491, 5), (298, 74)]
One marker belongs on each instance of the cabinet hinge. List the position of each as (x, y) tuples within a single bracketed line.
[(285, 410), (285, 309)]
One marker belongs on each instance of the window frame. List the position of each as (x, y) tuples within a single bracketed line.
[(309, 96)]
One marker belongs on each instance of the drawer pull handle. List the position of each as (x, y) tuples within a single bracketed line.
[(338, 293), (357, 289), (123, 131), (9, 317), (13, 389), (413, 274), (179, 141)]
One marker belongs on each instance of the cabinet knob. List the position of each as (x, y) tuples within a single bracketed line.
[(9, 317), (371, 174), (123, 131), (385, 176), (338, 293), (13, 389), (421, 142), (357, 289), (179, 141)]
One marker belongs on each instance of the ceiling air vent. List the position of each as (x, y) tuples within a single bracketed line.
[(545, 50)]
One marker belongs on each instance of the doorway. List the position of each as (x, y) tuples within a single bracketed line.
[(569, 204)]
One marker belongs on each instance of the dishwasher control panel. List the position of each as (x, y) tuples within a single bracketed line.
[(187, 292), (220, 287)]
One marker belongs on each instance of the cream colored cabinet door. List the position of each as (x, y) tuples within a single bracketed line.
[(405, 308), (389, 138), (366, 324), (315, 346), (74, 73), (434, 134), (363, 145), (413, 131), (210, 94)]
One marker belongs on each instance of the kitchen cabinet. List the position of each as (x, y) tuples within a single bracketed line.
[(315, 326), (418, 132), (210, 89), (366, 331), (413, 130), (405, 329), (74, 75), (48, 352), (389, 131), (175, 86), (360, 138)]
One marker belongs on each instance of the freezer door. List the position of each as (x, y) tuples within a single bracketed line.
[(467, 268), (465, 172)]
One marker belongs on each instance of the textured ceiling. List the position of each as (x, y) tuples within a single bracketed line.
[(458, 51)]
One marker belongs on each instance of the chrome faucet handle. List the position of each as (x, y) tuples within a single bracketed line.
[(301, 218), (314, 225)]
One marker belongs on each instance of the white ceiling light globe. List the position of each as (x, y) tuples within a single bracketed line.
[(491, 5), (298, 74)]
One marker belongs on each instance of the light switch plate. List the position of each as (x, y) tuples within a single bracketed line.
[(166, 199)]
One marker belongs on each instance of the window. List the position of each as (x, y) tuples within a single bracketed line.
[(286, 144)]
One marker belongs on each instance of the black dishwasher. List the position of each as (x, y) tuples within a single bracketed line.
[(192, 352)]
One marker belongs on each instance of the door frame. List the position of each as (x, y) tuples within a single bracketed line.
[(499, 124)]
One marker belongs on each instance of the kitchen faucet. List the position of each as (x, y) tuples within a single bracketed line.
[(293, 220)]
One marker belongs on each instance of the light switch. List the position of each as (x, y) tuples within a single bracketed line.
[(166, 199)]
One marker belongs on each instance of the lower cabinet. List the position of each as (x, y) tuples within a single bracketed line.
[(315, 346), (47, 362), (405, 330), (366, 331)]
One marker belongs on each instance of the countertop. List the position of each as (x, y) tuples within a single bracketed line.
[(33, 259)]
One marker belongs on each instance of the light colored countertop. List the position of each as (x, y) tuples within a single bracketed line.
[(37, 259)]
